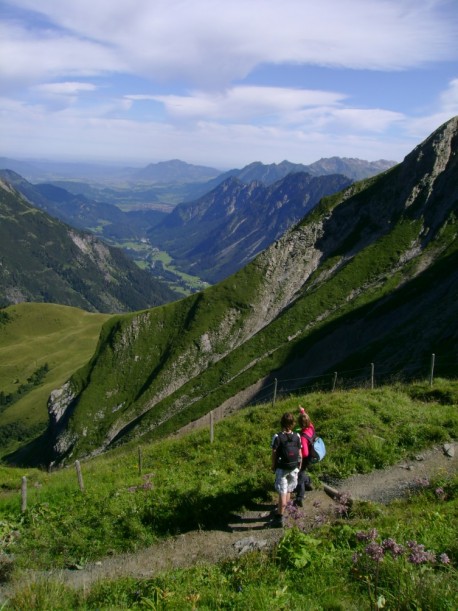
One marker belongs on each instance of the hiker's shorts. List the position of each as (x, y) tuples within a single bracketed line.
[(285, 481)]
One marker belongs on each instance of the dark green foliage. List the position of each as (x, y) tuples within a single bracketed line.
[(21, 432), (35, 379), (4, 317)]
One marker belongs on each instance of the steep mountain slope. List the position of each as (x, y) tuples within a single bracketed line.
[(370, 274), (44, 260), (224, 230)]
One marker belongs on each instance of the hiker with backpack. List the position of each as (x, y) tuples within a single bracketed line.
[(307, 433), (286, 461)]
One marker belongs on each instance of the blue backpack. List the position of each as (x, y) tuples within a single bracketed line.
[(317, 449)]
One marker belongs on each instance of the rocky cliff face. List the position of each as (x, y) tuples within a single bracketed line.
[(365, 266)]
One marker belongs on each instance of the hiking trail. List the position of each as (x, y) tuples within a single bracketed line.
[(248, 530)]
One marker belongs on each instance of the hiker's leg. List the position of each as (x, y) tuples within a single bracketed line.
[(300, 488), (281, 486), (287, 498), (282, 502)]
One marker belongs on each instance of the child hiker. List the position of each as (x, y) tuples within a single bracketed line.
[(286, 461), (304, 481)]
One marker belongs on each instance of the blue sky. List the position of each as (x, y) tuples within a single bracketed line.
[(224, 83)]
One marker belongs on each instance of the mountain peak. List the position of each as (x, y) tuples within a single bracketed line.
[(176, 171)]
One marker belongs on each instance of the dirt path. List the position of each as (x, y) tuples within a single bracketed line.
[(249, 530)]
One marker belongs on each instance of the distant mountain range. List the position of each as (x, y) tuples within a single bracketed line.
[(222, 231), (267, 174), (44, 260), (241, 212), (174, 171), (179, 172), (369, 275), (355, 169)]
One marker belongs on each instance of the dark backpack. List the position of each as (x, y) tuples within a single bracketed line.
[(288, 451), (317, 449)]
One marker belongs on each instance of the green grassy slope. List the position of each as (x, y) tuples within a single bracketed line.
[(31, 336), (189, 482)]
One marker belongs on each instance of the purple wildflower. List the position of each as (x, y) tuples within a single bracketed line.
[(394, 548), (421, 482), (444, 559), (344, 504), (375, 551), (370, 535), (418, 554)]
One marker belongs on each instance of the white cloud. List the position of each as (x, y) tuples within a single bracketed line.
[(248, 103), (276, 106), (449, 98), (58, 96), (65, 88), (447, 107), (366, 120), (30, 57), (213, 42), (77, 135)]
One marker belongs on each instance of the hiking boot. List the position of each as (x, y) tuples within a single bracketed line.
[(276, 522), (298, 502)]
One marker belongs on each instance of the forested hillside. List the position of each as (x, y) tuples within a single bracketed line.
[(44, 260)]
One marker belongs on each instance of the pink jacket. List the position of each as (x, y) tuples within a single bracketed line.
[(310, 431)]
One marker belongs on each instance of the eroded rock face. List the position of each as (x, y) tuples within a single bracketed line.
[(59, 401), (59, 405)]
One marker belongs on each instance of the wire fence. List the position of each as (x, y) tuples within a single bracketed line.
[(368, 377), (425, 369)]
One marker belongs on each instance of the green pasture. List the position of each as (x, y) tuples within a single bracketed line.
[(35, 334)]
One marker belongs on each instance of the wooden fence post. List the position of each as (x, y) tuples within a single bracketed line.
[(80, 475), (24, 494), (431, 374), (212, 424), (140, 460), (275, 392), (372, 376), (334, 382)]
